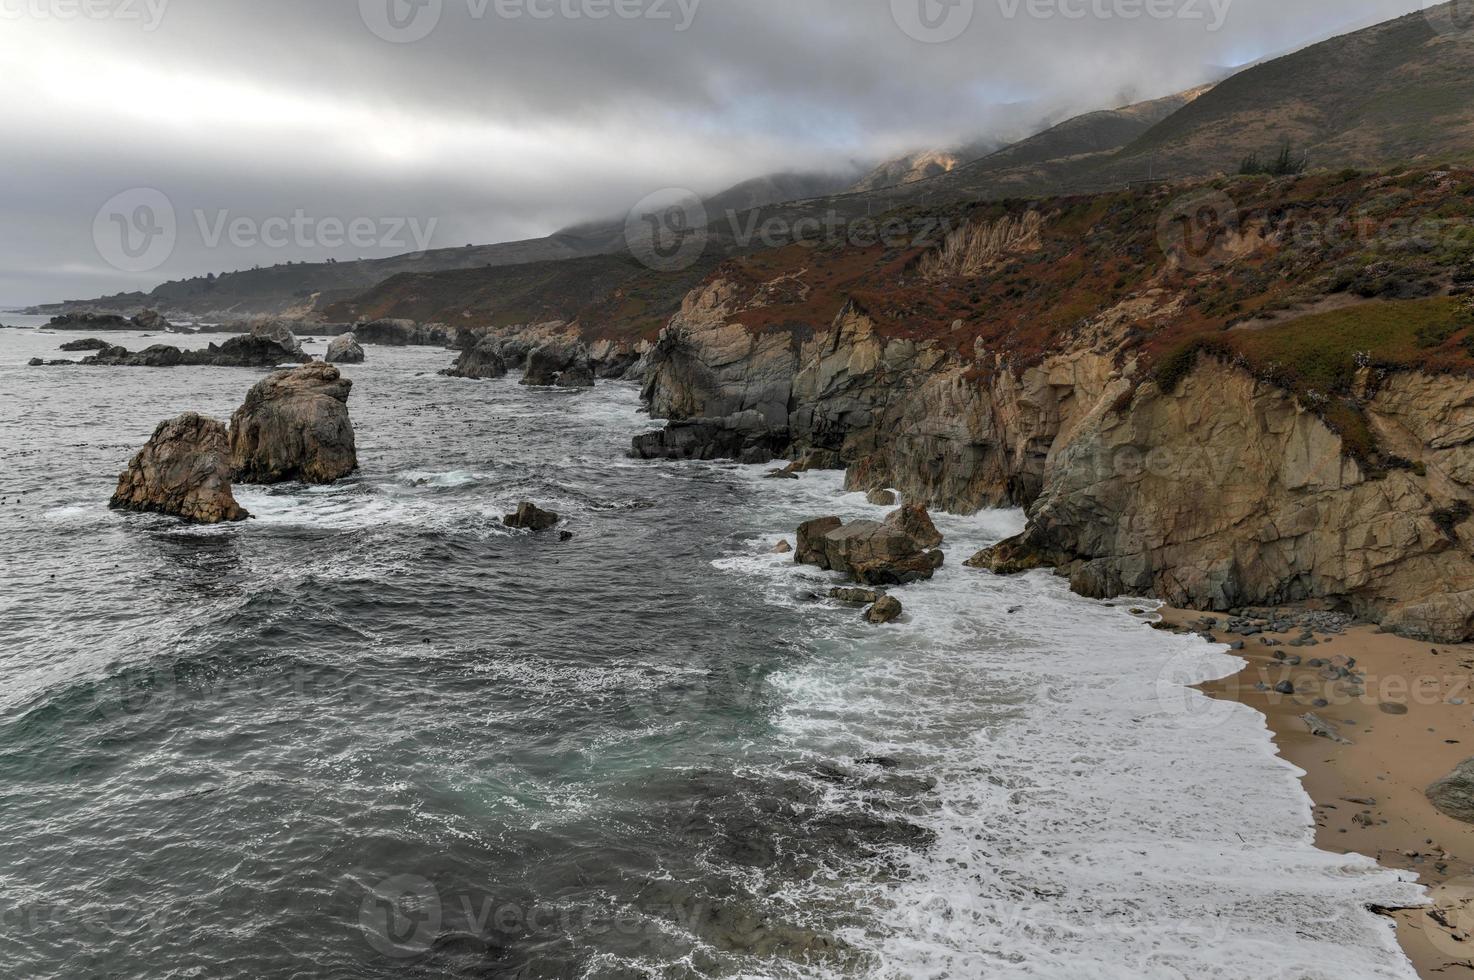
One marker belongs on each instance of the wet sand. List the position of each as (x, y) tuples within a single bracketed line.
[(1402, 720)]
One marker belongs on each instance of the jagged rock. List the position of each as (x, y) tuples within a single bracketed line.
[(278, 333), (782, 548), (402, 333), (251, 350), (1013, 556), (183, 471), (344, 349), (531, 518), (1454, 794), (811, 549), (915, 521), (870, 552), (91, 343), (887, 610), (856, 597), (482, 362), (152, 320), (744, 437), (295, 426), (613, 359), (548, 363), (881, 498)]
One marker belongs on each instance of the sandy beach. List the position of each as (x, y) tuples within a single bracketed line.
[(1373, 720)]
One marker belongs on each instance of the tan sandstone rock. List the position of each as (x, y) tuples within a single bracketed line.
[(295, 426), (183, 471)]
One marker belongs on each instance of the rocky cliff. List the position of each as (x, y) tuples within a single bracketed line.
[(1219, 479)]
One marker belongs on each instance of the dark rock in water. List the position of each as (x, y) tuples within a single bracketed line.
[(402, 333), (344, 349), (887, 610), (565, 536), (147, 320), (857, 597), (916, 522), (781, 475), (811, 549), (529, 517), (744, 436), (1011, 557), (252, 350), (1454, 794), (482, 362), (184, 471), (870, 552), (881, 498), (578, 376), (91, 343), (295, 426), (549, 363)]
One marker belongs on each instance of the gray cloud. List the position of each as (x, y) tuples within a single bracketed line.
[(499, 124)]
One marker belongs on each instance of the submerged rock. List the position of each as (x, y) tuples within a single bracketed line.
[(344, 350), (295, 426), (530, 517), (1454, 794), (183, 471), (483, 362)]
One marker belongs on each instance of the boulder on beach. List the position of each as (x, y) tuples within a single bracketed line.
[(887, 610), (295, 426), (344, 349), (482, 362), (1454, 794), (183, 471), (530, 517)]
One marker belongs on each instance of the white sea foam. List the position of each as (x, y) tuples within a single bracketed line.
[(1093, 816)]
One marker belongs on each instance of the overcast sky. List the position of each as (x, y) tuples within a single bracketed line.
[(493, 120)]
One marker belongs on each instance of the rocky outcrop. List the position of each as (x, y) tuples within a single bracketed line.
[(148, 320), (1454, 795), (403, 333), (744, 436), (91, 343), (295, 426), (563, 363), (244, 351), (344, 349), (530, 517), (913, 521), (887, 609), (482, 362), (184, 471), (870, 552)]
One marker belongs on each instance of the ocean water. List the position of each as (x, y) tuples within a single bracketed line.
[(372, 733)]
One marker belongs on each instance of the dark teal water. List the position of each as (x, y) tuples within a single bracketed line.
[(371, 733)]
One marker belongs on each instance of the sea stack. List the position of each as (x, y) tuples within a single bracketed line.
[(295, 426), (184, 471)]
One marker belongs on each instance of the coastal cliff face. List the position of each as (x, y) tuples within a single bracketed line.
[(1225, 493)]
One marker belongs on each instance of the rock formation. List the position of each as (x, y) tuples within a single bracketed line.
[(294, 426), (870, 552), (563, 363), (482, 362), (148, 320), (887, 609), (1454, 795), (344, 349), (914, 521), (244, 351), (529, 517), (183, 471), (403, 333), (91, 343)]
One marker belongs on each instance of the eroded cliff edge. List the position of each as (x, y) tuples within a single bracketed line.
[(1216, 485)]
